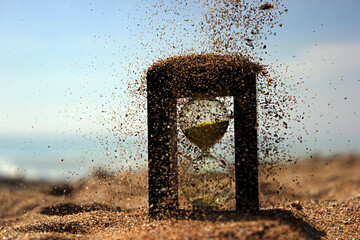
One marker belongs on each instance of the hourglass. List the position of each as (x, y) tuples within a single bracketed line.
[(206, 182)]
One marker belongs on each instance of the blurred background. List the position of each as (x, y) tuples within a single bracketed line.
[(69, 71)]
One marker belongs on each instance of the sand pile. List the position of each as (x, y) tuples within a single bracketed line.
[(314, 199)]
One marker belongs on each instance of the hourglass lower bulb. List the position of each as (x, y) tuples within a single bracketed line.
[(206, 182)]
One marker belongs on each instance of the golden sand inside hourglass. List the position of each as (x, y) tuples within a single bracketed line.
[(206, 134), (205, 201)]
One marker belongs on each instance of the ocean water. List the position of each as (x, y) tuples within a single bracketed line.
[(57, 158), (61, 158)]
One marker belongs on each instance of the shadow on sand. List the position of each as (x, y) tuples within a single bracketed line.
[(285, 217)]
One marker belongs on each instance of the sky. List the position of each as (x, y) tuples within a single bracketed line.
[(321, 45), (67, 68)]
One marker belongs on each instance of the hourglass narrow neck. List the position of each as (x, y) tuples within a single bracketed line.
[(205, 152)]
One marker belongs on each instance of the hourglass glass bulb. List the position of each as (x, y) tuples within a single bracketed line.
[(206, 182), (204, 122)]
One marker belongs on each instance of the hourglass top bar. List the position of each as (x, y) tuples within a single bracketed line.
[(200, 76), (211, 74)]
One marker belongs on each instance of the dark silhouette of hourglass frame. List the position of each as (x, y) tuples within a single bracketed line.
[(204, 75)]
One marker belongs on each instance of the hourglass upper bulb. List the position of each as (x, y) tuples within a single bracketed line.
[(204, 122)]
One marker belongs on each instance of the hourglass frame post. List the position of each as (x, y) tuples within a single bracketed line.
[(246, 147), (194, 76), (162, 147)]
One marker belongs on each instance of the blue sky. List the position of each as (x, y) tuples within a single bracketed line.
[(66, 67)]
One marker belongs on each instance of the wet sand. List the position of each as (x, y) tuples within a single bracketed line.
[(313, 199)]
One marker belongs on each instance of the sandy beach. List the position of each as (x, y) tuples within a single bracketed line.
[(313, 199)]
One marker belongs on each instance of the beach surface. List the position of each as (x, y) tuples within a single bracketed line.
[(313, 199)]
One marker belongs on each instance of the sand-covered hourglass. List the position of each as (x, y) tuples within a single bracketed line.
[(203, 120), (206, 181)]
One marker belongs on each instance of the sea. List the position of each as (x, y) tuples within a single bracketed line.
[(66, 158), (59, 158)]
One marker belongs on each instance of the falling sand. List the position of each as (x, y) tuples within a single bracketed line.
[(313, 199)]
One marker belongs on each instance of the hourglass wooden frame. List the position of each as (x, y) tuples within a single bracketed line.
[(194, 76)]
